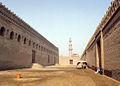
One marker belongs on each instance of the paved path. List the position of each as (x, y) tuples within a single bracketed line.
[(54, 76)]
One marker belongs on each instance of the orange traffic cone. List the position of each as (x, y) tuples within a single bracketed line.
[(18, 76)]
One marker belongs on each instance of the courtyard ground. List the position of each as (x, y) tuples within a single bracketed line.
[(54, 76)]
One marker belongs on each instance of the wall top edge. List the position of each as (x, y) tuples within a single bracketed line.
[(109, 13), (21, 21)]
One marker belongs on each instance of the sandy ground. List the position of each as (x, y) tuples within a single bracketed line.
[(54, 76)]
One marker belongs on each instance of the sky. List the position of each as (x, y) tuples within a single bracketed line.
[(59, 20)]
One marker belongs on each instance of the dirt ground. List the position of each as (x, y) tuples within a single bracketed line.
[(54, 76)]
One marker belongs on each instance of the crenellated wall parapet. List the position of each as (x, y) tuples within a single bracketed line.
[(111, 10), (17, 20), (115, 5)]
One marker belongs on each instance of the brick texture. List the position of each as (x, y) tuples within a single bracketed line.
[(18, 40)]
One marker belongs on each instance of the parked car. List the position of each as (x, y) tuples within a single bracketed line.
[(81, 64)]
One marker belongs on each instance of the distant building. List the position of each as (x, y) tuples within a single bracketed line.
[(71, 59)]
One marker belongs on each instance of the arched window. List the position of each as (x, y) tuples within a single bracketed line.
[(19, 38), (29, 42), (2, 31), (39, 47), (24, 40), (33, 44), (12, 35)]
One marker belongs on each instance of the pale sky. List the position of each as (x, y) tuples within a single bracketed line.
[(58, 20)]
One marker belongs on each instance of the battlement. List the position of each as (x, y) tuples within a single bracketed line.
[(17, 20), (110, 12)]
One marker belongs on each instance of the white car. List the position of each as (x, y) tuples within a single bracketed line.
[(81, 64)]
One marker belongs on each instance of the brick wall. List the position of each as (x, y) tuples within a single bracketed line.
[(91, 57), (64, 60), (112, 51), (108, 32), (18, 40)]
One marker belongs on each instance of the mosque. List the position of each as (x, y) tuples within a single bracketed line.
[(71, 59)]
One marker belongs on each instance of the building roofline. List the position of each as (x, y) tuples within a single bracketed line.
[(115, 5), (22, 23)]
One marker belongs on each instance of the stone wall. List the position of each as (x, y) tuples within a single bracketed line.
[(103, 49), (21, 45), (64, 60), (112, 50), (91, 57)]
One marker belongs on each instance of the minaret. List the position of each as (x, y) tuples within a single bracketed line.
[(70, 48)]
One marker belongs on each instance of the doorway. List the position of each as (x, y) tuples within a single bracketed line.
[(99, 52), (33, 56), (71, 61)]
